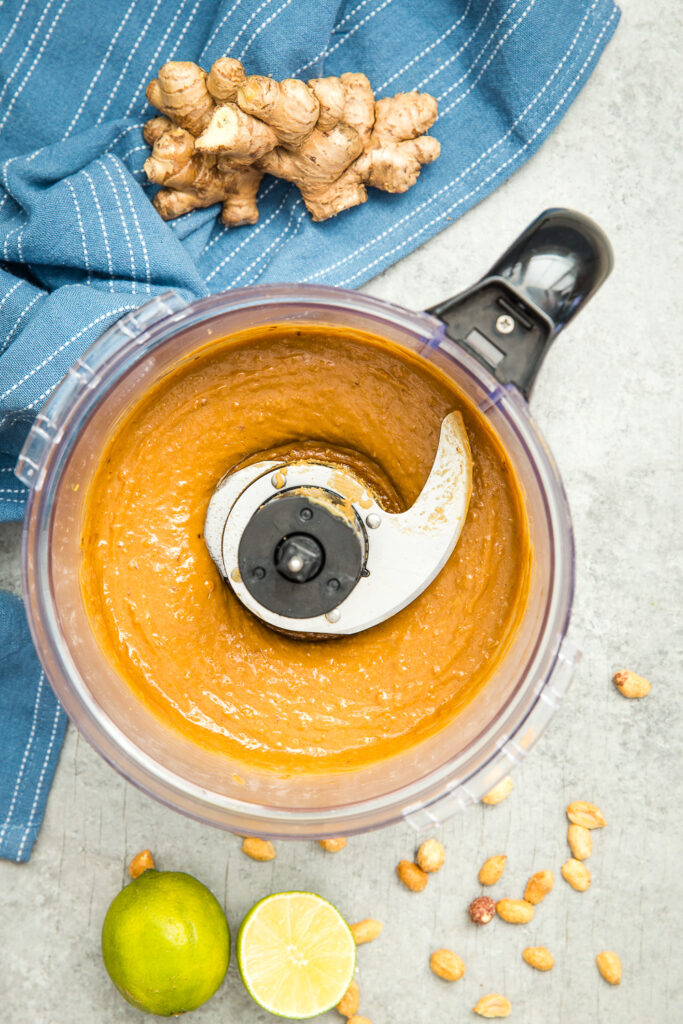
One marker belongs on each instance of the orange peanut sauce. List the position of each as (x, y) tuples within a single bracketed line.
[(183, 642)]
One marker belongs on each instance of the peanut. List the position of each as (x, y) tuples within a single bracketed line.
[(492, 870), (493, 1005), (499, 792), (258, 849), (580, 841), (539, 957), (631, 685), (582, 813), (482, 910), (515, 911), (431, 855), (413, 877), (348, 1004), (140, 863), (538, 886), (366, 930), (332, 845), (447, 965), (577, 874), (359, 1020), (609, 966)]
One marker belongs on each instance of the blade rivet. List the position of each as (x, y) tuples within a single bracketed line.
[(333, 583), (259, 572), (373, 521), (306, 514)]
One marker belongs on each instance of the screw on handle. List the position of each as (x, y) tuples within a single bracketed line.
[(509, 318)]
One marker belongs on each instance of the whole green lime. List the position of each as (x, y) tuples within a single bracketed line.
[(166, 943)]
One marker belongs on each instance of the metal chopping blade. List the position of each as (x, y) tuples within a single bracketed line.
[(306, 547)]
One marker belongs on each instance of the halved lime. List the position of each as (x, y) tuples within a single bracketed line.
[(296, 954)]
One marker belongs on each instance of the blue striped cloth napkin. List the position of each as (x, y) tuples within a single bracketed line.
[(81, 244)]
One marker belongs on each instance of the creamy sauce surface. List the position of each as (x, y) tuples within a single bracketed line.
[(183, 642)]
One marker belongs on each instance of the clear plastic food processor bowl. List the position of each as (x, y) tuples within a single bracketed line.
[(424, 785)]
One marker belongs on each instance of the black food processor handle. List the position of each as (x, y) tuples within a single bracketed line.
[(509, 318)]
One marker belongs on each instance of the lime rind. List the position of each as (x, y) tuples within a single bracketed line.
[(277, 986)]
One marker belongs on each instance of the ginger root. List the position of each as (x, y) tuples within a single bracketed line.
[(220, 132)]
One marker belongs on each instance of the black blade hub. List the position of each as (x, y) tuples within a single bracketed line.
[(302, 552)]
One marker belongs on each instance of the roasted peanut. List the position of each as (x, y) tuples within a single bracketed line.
[(577, 874), (332, 845), (515, 911), (447, 965), (609, 966), (580, 812), (482, 910), (366, 930), (499, 792), (431, 855), (538, 886), (493, 1005), (539, 957), (413, 877), (258, 849), (631, 685), (349, 1002), (580, 841), (141, 862), (492, 870)]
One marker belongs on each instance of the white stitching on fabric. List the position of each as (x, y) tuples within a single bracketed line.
[(515, 156), (487, 152), (185, 28), (264, 25), (41, 779), (252, 234), (15, 25), (220, 24), (138, 148), (27, 49), (134, 50), (266, 3), (285, 231), (427, 49), (224, 231), (499, 45), (326, 53), (104, 230), (24, 759), (81, 228), (130, 128), (125, 228), (12, 289), (12, 490), (5, 250), (38, 57), (100, 69), (297, 225), (144, 77), (48, 359), (143, 244), (21, 317), (454, 56)]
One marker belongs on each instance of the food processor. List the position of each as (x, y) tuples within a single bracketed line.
[(273, 528)]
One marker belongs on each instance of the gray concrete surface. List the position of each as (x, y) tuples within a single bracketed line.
[(609, 404)]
